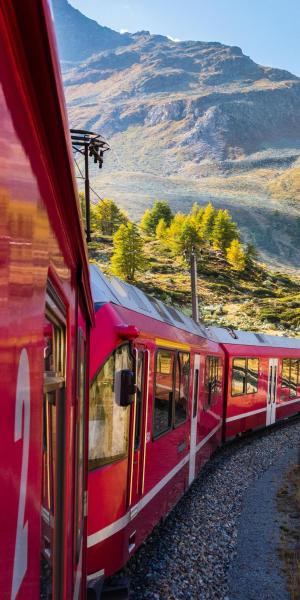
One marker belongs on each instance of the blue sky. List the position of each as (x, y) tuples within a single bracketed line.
[(266, 30)]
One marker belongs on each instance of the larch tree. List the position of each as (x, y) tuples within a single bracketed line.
[(174, 232), (151, 217), (106, 217), (128, 257), (161, 230), (224, 230), (207, 222), (188, 237), (197, 214), (236, 255)]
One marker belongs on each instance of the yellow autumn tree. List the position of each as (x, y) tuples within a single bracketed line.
[(236, 256), (128, 257)]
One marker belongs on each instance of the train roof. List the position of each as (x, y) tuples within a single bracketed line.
[(250, 338), (116, 291)]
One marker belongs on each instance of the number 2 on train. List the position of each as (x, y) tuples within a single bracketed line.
[(22, 400)]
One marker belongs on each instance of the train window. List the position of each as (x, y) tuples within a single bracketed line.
[(285, 376), (294, 378), (139, 398), (244, 376), (212, 380), (182, 373), (290, 375), (163, 392), (252, 376), (108, 422), (238, 384), (53, 440)]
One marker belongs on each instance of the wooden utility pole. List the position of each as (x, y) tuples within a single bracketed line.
[(195, 308)]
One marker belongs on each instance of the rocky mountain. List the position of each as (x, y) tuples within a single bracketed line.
[(186, 121), (79, 37)]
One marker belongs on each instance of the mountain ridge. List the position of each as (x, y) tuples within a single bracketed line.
[(201, 116)]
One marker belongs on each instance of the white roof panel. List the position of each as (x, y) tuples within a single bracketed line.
[(248, 338), (119, 292)]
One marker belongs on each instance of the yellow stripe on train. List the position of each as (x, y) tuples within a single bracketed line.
[(170, 344)]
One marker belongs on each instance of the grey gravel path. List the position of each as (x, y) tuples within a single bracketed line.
[(189, 555), (256, 571)]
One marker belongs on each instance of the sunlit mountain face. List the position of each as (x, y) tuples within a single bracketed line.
[(188, 121)]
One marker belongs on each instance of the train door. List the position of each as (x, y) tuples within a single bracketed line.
[(52, 530), (194, 415), (272, 387), (139, 411)]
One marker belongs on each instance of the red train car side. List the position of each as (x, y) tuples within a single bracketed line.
[(263, 379), (142, 458), (46, 311), (196, 387)]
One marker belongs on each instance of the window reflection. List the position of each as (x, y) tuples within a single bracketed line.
[(181, 386), (163, 391), (108, 422), (244, 376), (139, 397), (213, 376), (290, 375)]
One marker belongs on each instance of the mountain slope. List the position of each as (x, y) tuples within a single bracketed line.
[(79, 37), (186, 121)]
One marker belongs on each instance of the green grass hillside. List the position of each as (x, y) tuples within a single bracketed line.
[(258, 299)]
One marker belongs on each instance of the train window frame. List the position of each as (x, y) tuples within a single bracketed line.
[(158, 435), (245, 391), (54, 404), (139, 422), (176, 425), (208, 395), (124, 455), (55, 379), (172, 425), (289, 381)]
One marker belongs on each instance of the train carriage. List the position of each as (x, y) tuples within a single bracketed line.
[(263, 379), (165, 392), (45, 316), (174, 422)]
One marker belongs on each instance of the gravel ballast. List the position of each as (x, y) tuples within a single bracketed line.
[(190, 555)]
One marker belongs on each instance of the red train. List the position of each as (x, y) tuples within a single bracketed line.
[(195, 389), (45, 317), (165, 392)]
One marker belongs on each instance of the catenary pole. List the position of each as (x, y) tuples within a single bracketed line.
[(87, 194), (195, 309)]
